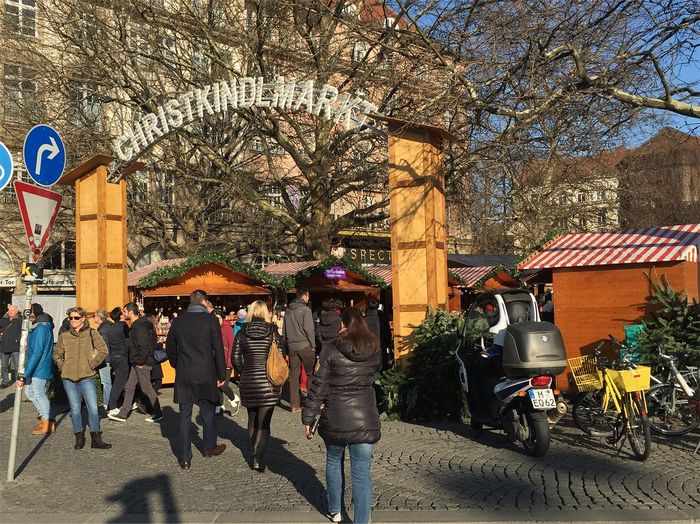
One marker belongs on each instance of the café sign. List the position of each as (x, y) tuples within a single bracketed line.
[(283, 93)]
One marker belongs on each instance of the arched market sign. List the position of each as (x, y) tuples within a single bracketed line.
[(283, 93)]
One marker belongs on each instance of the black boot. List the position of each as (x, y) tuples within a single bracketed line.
[(259, 452), (97, 441), (80, 439)]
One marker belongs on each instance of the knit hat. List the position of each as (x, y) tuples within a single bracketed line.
[(242, 313)]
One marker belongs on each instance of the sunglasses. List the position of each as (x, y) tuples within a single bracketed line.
[(74, 318)]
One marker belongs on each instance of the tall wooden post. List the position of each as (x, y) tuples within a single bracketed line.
[(418, 229), (100, 231)]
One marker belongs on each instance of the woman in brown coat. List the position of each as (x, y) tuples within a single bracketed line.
[(78, 352)]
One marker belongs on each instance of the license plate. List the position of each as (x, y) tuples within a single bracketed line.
[(542, 399)]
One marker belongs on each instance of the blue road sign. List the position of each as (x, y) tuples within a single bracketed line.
[(6, 166), (44, 155)]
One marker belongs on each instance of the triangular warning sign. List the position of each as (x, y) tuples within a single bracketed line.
[(39, 208)]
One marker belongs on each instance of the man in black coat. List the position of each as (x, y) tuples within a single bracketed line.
[(379, 326), (11, 332), (142, 345), (196, 350)]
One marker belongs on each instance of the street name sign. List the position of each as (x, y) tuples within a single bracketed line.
[(39, 208), (44, 155), (6, 166)]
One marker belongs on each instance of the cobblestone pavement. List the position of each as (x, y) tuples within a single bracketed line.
[(431, 472)]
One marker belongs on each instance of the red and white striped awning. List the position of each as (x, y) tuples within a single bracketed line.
[(471, 275), (629, 246)]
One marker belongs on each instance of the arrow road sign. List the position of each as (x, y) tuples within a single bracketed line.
[(44, 155), (39, 208), (6, 166)]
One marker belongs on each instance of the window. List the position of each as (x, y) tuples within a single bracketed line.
[(260, 146), (351, 10), (140, 47), (602, 217), (5, 260), (20, 93), (200, 60), (487, 308), (138, 188), (601, 196), (60, 256), (148, 255), (85, 110), (20, 17), (582, 222), (389, 22), (165, 186), (581, 196), (274, 196), (359, 50)]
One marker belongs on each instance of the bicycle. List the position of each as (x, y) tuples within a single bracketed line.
[(613, 403), (673, 409)]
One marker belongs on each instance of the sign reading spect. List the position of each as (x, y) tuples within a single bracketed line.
[(283, 93)]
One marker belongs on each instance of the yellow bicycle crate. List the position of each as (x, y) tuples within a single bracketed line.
[(586, 375), (632, 379)]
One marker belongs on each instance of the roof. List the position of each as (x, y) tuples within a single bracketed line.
[(455, 261), (471, 275), (629, 246), (383, 271), (133, 277), (287, 269)]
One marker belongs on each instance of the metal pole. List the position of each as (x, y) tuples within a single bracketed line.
[(19, 385)]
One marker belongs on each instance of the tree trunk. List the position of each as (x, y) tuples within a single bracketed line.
[(317, 235)]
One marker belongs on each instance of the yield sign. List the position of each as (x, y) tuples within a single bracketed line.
[(39, 208)]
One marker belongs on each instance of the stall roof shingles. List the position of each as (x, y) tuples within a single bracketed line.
[(471, 275), (133, 277), (286, 269), (382, 271), (630, 246)]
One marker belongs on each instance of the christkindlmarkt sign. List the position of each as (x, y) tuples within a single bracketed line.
[(282, 93)]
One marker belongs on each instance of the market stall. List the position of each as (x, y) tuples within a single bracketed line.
[(599, 282)]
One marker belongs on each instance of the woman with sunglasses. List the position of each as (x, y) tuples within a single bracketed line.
[(78, 352)]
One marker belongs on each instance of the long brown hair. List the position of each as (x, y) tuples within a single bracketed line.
[(357, 335)]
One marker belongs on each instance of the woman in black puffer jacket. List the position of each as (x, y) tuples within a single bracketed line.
[(350, 419), (249, 357)]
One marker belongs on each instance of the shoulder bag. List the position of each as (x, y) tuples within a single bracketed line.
[(277, 369)]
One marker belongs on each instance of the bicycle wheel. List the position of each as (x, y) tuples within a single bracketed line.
[(638, 432), (669, 411), (589, 416)]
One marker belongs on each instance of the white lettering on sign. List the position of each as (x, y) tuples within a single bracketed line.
[(283, 93)]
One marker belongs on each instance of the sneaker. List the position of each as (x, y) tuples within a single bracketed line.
[(154, 418), (335, 517), (116, 417), (235, 405), (114, 411), (218, 412)]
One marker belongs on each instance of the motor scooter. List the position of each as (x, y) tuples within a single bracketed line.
[(508, 372)]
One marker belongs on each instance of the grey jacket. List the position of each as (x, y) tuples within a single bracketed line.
[(299, 326)]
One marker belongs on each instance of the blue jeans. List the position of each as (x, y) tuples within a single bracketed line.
[(5, 359), (360, 464), (87, 389), (106, 379), (35, 390)]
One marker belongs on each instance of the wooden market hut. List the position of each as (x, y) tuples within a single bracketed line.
[(167, 284), (472, 280), (599, 282)]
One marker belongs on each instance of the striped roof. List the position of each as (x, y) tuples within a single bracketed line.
[(133, 277), (629, 246), (286, 269), (382, 271), (471, 275)]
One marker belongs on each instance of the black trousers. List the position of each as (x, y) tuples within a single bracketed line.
[(121, 375), (206, 409), (296, 357)]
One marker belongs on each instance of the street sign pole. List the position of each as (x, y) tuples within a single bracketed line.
[(19, 384)]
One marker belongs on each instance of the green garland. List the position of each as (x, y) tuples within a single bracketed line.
[(168, 272), (457, 278), (511, 270), (290, 281)]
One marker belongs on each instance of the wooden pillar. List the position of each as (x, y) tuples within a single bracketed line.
[(418, 229), (100, 231)]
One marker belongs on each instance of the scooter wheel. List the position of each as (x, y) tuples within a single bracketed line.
[(537, 443)]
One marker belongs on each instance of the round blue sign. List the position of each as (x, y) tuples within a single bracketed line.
[(44, 155), (6, 166)]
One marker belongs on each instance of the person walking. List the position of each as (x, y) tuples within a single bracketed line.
[(142, 346), (379, 326), (350, 418), (10, 334), (78, 353), (195, 350), (227, 392), (300, 338), (102, 321), (38, 368), (118, 345), (257, 394)]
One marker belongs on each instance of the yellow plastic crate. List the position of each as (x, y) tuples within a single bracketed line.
[(586, 375), (632, 379)]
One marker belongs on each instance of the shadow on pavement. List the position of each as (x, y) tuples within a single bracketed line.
[(36, 449), (133, 497), (279, 460)]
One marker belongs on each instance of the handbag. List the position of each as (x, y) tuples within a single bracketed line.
[(160, 356), (277, 370)]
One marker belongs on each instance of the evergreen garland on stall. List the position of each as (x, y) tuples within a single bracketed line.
[(167, 272), (290, 281)]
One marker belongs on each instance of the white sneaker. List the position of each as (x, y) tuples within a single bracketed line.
[(113, 411), (134, 406), (336, 517), (154, 418), (235, 405)]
